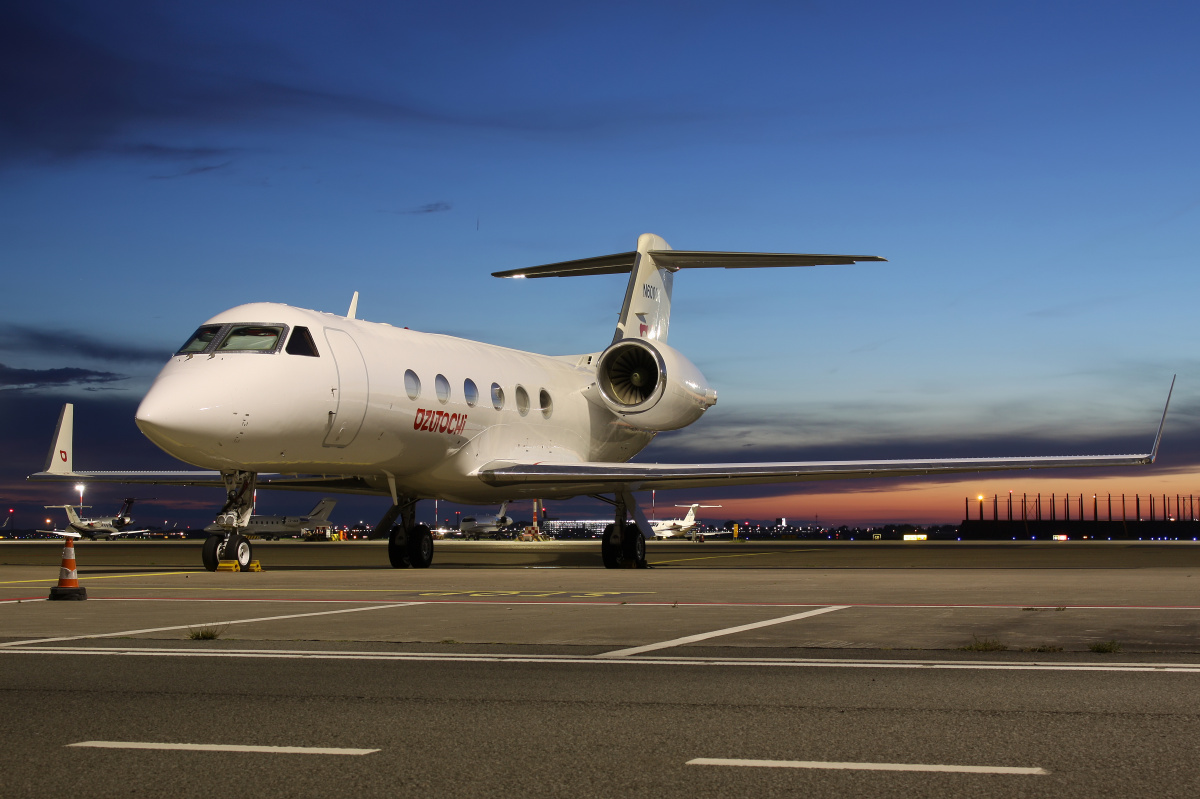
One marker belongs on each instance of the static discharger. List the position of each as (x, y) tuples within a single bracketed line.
[(68, 578)]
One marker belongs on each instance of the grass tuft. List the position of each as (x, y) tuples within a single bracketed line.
[(1106, 646), (206, 633), (984, 645)]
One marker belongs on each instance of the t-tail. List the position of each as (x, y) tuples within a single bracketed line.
[(646, 311)]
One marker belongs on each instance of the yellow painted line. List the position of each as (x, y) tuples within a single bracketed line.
[(736, 555), (97, 577)]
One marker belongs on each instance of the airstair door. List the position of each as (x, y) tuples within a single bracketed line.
[(353, 388)]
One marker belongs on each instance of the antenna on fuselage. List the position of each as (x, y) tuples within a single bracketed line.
[(353, 306)]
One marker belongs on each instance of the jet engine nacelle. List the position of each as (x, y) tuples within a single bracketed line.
[(652, 386)]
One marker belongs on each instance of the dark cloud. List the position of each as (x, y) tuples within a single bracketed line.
[(69, 88), (428, 208), (12, 379), (196, 170), (81, 79), (41, 341)]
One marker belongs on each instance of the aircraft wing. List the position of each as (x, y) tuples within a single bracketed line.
[(602, 478), (67, 533), (597, 478), (289, 482)]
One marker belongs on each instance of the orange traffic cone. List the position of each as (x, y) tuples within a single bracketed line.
[(68, 579)]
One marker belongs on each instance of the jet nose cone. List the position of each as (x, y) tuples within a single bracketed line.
[(158, 419), (174, 420)]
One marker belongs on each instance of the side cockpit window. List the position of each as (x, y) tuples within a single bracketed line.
[(200, 340), (301, 343), (252, 338)]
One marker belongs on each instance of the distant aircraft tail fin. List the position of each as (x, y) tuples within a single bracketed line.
[(59, 458), (322, 510)]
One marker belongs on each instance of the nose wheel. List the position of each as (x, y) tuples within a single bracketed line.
[(232, 547)]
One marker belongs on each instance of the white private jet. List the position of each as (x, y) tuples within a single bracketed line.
[(472, 527), (274, 396), (274, 526), (99, 528), (679, 528)]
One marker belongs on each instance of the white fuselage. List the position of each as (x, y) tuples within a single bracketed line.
[(348, 411)]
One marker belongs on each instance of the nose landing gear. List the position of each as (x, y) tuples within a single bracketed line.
[(234, 516)]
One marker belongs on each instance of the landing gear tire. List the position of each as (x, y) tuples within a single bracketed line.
[(211, 553), (398, 548), (633, 546), (238, 548), (610, 547), (420, 547)]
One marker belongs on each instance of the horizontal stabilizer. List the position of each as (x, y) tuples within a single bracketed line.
[(622, 263)]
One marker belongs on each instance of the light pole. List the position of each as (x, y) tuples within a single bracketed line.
[(79, 488)]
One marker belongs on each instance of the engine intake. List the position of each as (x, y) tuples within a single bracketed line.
[(652, 386)]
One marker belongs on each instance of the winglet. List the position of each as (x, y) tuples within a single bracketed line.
[(1158, 437), (350, 314), (58, 459)]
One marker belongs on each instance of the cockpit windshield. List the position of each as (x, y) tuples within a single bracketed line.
[(201, 339), (255, 338)]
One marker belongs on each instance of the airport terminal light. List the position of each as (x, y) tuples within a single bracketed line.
[(79, 488)]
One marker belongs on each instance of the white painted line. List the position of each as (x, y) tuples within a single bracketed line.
[(824, 764), (467, 657), (637, 650), (275, 750), (205, 624)]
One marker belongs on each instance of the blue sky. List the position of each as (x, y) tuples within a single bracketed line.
[(1028, 169)]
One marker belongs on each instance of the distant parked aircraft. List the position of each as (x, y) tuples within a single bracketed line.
[(476, 526), (102, 527), (680, 528)]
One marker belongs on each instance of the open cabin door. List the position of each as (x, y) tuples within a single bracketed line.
[(353, 388)]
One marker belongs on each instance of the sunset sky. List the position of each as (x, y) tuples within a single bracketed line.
[(1029, 170)]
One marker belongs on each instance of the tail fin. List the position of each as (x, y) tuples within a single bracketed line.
[(59, 460), (691, 514), (322, 510), (646, 312)]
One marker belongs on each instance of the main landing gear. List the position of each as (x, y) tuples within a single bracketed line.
[(234, 516), (623, 545), (409, 543)]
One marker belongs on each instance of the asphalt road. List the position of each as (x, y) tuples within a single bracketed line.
[(517, 674), (587, 729)]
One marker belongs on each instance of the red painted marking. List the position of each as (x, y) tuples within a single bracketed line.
[(431, 421), (62, 453)]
